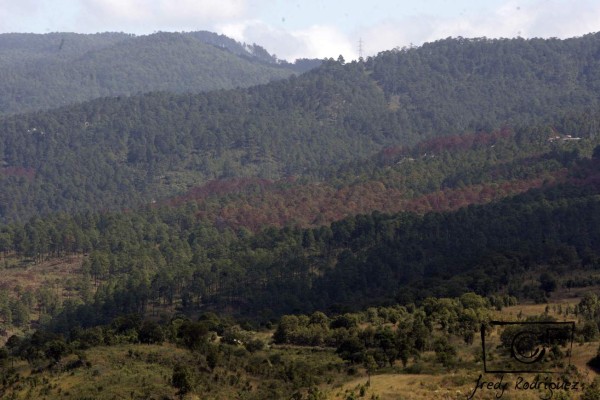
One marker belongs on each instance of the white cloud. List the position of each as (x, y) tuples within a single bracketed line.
[(144, 15), (256, 21), (540, 18), (132, 16), (390, 34), (12, 12), (317, 41), (204, 9), (324, 41), (565, 19)]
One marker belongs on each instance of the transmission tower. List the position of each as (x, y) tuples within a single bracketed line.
[(360, 49)]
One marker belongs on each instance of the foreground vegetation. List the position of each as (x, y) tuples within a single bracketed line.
[(415, 352)]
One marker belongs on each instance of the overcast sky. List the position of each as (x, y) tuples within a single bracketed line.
[(311, 28)]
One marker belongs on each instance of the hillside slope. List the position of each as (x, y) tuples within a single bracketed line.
[(46, 71), (122, 152)]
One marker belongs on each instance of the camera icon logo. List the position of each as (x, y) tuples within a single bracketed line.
[(519, 347)]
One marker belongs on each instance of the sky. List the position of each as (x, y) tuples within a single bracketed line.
[(294, 29)]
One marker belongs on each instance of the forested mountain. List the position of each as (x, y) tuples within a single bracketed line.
[(161, 256), (439, 174), (471, 84), (121, 152), (392, 205), (127, 151), (46, 71)]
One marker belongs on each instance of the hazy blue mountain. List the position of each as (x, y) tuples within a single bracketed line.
[(45, 71)]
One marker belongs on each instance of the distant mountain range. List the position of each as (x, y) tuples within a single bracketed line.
[(50, 70), (115, 153)]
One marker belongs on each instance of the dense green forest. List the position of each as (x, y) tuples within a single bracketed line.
[(121, 152), (116, 153), (171, 256), (278, 240), (262, 247), (55, 69), (427, 283), (457, 85), (440, 174)]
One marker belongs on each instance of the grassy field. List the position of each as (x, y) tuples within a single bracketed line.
[(460, 382), (115, 372), (455, 384), (24, 274), (136, 371)]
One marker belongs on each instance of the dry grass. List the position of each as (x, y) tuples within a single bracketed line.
[(459, 384), (113, 375), (18, 276), (453, 386), (28, 275), (525, 310), (407, 387)]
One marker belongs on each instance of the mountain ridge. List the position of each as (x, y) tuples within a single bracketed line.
[(46, 71), (127, 151)]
